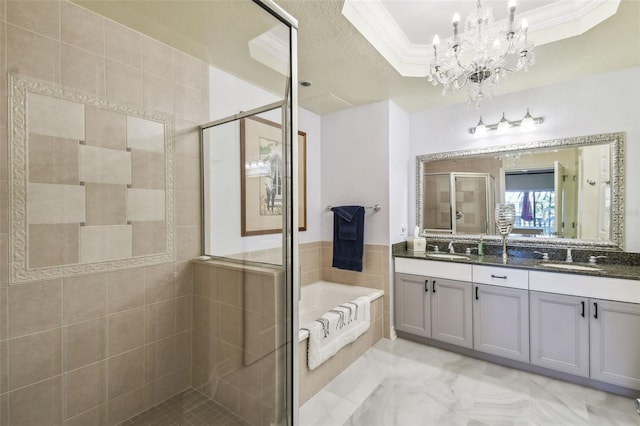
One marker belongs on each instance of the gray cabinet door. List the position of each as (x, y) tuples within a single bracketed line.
[(560, 332), (451, 315), (412, 310), (615, 342), (501, 321)]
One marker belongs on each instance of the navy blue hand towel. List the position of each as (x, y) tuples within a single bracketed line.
[(348, 237)]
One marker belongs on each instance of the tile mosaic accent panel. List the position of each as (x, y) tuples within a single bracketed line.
[(91, 183)]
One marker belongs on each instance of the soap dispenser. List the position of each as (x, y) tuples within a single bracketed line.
[(481, 246)]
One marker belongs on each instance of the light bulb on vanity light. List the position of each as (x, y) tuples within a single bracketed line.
[(527, 122), (503, 125), (480, 129)]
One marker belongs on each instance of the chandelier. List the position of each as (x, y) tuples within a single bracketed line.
[(482, 55)]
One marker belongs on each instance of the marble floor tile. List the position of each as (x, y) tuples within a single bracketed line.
[(326, 409), (402, 383)]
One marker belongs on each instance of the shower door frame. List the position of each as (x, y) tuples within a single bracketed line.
[(290, 258)]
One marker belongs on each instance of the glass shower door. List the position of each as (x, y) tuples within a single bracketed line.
[(471, 204)]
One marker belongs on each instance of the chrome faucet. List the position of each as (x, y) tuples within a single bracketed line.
[(569, 257), (451, 249), (545, 256), (593, 260), (436, 249)]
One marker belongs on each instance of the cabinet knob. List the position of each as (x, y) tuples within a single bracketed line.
[(582, 308), (477, 298), (433, 286), (595, 307), (426, 285)]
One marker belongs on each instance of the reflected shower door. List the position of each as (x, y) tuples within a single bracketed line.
[(471, 204)]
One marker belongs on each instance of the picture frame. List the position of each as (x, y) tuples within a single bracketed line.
[(261, 182)]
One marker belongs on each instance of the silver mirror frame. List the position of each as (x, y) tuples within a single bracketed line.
[(617, 143)]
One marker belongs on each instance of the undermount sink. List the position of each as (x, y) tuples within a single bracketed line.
[(448, 256), (570, 267)]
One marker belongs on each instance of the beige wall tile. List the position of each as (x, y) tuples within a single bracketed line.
[(201, 312), (102, 243), (50, 203), (160, 320), (55, 117), (105, 129), (183, 352), (160, 282), (4, 367), (38, 16), (101, 165), (184, 278), (187, 142), (202, 281), (126, 331), (186, 172), (187, 70), (84, 389), (188, 242), (126, 406), (53, 160), (84, 343), (157, 58), (158, 94), (146, 135), (230, 283), (160, 359), (82, 70), (148, 238), (35, 307), (124, 83), (105, 204), (81, 28), (188, 105), (200, 356), (148, 170), (34, 358), (159, 390), (24, 411), (125, 372), (145, 205), (184, 313), (53, 245), (123, 44), (126, 289), (84, 298), (32, 55), (188, 207), (233, 331), (94, 417)]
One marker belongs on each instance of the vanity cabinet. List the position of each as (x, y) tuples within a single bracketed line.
[(615, 342), (434, 307), (560, 332), (501, 321), (413, 304)]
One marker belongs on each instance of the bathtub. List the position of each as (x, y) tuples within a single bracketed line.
[(321, 296)]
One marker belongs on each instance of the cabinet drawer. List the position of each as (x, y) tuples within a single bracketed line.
[(434, 268), (503, 277), (586, 286)]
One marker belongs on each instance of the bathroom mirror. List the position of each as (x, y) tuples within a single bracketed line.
[(567, 192)]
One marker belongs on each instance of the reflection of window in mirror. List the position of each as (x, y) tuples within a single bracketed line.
[(533, 194)]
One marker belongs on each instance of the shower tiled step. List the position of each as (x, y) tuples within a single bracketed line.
[(189, 408)]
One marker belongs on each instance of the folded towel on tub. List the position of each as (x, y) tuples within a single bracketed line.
[(337, 328)]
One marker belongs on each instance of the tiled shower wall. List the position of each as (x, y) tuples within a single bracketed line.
[(238, 338), (97, 349)]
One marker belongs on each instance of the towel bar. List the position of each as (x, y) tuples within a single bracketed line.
[(375, 207)]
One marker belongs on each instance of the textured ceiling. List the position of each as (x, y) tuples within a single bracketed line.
[(344, 68)]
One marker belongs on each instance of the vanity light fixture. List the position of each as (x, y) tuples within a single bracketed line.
[(482, 54), (528, 122)]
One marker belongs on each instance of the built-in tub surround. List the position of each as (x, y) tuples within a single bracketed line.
[(102, 346), (316, 299), (238, 338)]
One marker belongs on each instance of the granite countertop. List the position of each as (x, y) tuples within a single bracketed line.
[(624, 271)]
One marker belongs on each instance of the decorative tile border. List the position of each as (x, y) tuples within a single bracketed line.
[(19, 88)]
